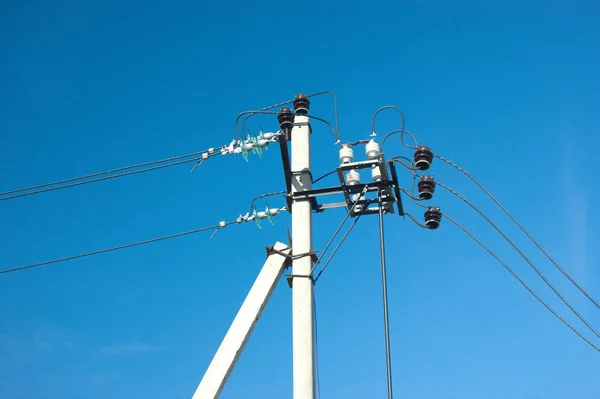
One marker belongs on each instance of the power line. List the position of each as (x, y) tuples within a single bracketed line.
[(217, 226), (520, 226), (522, 283), (264, 196), (106, 172), (337, 247), (515, 275), (254, 112), (538, 272), (81, 183), (335, 134), (358, 197), (384, 108)]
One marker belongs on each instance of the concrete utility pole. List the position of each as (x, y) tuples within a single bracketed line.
[(302, 283)]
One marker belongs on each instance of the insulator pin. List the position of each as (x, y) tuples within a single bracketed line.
[(372, 150), (352, 178), (426, 187), (346, 154), (433, 217), (423, 158)]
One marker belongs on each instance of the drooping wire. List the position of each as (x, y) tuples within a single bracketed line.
[(520, 226), (335, 135), (402, 133), (80, 183), (265, 195), (43, 187), (384, 108), (324, 176), (335, 109), (537, 271), (386, 321), (523, 283), (262, 110), (217, 226), (515, 275)]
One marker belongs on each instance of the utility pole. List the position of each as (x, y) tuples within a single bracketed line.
[(302, 283), (302, 201)]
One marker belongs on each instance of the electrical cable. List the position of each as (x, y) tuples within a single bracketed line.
[(537, 271), (383, 108), (521, 227), (335, 135), (337, 247), (217, 226), (335, 108), (265, 195), (386, 322), (106, 172), (338, 229), (515, 275), (523, 283), (324, 176), (402, 133), (336, 132), (80, 183)]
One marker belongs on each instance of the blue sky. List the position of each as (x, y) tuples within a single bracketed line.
[(508, 90)]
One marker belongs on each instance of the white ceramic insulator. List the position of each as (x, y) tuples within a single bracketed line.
[(376, 174), (346, 154), (261, 215), (355, 198), (372, 150), (352, 178), (268, 136), (262, 142), (274, 211), (249, 146)]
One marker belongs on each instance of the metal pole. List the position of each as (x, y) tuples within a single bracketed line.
[(386, 323), (302, 285)]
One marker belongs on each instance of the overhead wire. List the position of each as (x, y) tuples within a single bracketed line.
[(584, 292), (101, 251), (402, 132), (384, 108), (254, 112), (335, 135), (80, 183), (514, 274), (521, 227), (487, 219), (264, 196), (523, 283), (537, 271), (40, 188)]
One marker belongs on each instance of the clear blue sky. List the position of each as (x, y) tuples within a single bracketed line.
[(507, 90)]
